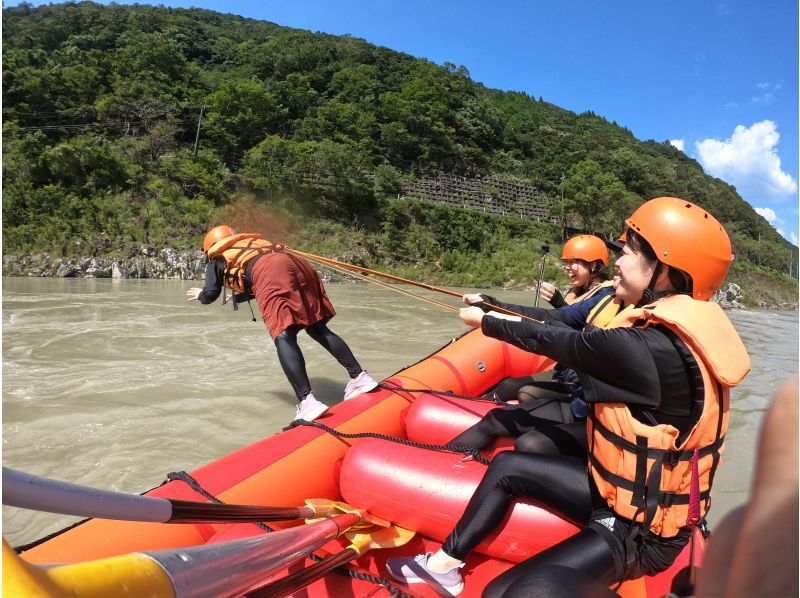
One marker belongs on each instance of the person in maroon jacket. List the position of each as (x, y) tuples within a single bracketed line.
[(291, 298)]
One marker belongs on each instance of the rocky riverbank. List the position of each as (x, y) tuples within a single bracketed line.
[(167, 263), (147, 262)]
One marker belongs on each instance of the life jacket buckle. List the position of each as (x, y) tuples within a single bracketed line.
[(670, 458), (703, 527)]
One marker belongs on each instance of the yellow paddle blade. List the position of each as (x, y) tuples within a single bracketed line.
[(325, 508), (382, 537)]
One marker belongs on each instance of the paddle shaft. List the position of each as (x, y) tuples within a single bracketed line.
[(201, 512), (300, 579), (375, 272), (423, 285), (53, 496)]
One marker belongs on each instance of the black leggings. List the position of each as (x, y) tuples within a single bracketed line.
[(543, 423), (293, 363), (563, 484)]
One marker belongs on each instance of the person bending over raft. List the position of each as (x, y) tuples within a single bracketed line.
[(585, 260), (290, 296), (550, 417), (658, 381)]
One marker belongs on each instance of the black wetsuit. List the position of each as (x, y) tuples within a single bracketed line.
[(289, 354), (640, 367)]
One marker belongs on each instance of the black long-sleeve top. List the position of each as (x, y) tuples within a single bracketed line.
[(574, 315), (641, 367), (215, 271), (557, 300)]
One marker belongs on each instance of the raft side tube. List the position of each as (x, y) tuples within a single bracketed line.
[(427, 491)]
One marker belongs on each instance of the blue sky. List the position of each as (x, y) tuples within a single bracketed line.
[(718, 78)]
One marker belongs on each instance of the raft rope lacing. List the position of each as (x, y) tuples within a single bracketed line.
[(393, 590), (444, 393), (449, 448)]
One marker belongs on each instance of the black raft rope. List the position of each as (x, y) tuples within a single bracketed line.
[(448, 448)]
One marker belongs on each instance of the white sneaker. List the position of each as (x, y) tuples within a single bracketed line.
[(310, 409), (361, 384), (414, 569)]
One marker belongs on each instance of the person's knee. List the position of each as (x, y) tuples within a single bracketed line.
[(507, 389), (287, 335), (316, 330), (505, 463), (284, 338), (534, 442)]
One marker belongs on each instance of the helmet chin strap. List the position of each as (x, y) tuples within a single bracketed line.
[(649, 293)]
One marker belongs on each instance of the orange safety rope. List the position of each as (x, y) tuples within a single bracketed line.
[(344, 267), (381, 284)]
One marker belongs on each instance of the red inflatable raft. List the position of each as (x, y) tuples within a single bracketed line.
[(418, 489)]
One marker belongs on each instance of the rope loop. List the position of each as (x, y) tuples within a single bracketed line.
[(445, 393), (449, 448)]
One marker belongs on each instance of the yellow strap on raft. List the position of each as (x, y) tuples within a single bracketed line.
[(126, 575)]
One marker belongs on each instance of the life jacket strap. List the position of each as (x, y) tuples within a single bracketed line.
[(667, 456), (665, 499)]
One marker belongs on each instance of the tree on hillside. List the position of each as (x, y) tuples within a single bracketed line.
[(596, 197)]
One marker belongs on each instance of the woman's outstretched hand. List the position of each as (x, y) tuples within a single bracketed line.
[(472, 298), (472, 316), (193, 293), (547, 290)]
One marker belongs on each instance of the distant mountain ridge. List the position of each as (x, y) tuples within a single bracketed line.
[(101, 148)]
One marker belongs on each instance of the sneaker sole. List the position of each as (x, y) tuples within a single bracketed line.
[(440, 589), (361, 391)]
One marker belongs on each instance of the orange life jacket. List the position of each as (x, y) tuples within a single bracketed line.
[(605, 312), (645, 471), (238, 251), (571, 298)]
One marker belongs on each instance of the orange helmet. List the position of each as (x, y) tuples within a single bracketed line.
[(217, 234), (619, 243), (585, 247), (688, 238)]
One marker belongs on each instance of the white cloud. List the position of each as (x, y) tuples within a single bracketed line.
[(768, 214), (677, 143), (749, 160), (793, 238), (765, 98)]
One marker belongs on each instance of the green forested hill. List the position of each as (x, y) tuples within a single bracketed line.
[(100, 112)]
